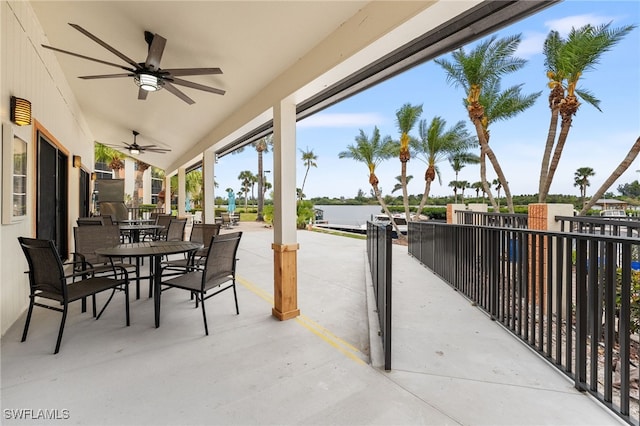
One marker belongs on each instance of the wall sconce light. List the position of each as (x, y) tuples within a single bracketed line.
[(20, 111), (94, 176), (77, 161)]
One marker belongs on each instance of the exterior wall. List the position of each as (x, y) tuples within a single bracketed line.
[(29, 71)]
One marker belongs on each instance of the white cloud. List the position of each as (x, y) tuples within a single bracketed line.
[(343, 120), (530, 45), (564, 25)]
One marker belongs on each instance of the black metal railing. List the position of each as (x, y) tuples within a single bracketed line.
[(379, 253), (622, 226), (505, 220), (143, 212), (571, 297)]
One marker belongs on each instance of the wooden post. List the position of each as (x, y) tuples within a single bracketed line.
[(285, 281)]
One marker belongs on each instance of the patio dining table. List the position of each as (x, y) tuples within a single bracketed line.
[(155, 250)]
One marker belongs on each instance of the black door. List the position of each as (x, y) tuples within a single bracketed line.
[(83, 195), (52, 212)]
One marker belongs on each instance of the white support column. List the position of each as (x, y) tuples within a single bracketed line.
[(208, 187), (285, 244), (182, 196), (146, 185), (167, 194)]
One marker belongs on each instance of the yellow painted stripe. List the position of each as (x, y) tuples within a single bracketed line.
[(347, 349)]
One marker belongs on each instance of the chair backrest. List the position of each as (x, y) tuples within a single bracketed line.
[(196, 234), (202, 233), (117, 210), (221, 258), (175, 232), (225, 218), (46, 273), (209, 230), (88, 239), (164, 220), (90, 221)]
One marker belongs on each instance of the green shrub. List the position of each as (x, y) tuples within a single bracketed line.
[(635, 298), (306, 213)]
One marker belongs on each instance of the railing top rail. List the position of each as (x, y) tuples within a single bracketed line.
[(518, 215), (576, 235), (626, 220)]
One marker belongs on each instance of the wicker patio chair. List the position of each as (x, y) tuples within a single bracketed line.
[(218, 273), (47, 280)]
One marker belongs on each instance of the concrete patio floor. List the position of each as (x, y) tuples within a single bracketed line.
[(451, 364)]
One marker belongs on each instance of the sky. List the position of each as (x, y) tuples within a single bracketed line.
[(599, 140)]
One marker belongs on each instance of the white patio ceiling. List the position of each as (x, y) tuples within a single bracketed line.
[(267, 50)]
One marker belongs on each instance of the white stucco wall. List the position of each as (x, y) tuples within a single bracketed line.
[(31, 72)]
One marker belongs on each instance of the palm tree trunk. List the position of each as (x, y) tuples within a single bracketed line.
[(551, 137), (304, 181), (486, 189), (562, 139), (387, 212), (624, 165), (425, 195), (405, 195)]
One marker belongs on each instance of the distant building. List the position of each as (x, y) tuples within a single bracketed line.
[(610, 204)]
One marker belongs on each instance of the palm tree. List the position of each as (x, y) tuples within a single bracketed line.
[(566, 61), (138, 187), (114, 159), (398, 186), (459, 159), (309, 160), (245, 177), (463, 184), (406, 118), (479, 73), (622, 167), (581, 180), (454, 185), (498, 185), (193, 184), (372, 151), (435, 144), (262, 146), (478, 186)]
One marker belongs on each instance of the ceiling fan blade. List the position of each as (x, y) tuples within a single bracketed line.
[(106, 46), (192, 71), (158, 150), (171, 88), (90, 77), (88, 58), (142, 94), (155, 52), (198, 86)]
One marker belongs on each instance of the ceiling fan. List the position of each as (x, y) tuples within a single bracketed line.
[(148, 75), (135, 149)]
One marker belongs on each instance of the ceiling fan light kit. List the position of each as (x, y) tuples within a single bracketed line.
[(135, 149), (148, 82)]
